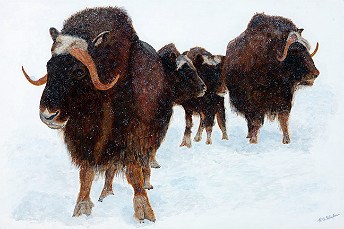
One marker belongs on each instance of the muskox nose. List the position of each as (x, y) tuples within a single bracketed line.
[(315, 73), (50, 119), (49, 116), (204, 87)]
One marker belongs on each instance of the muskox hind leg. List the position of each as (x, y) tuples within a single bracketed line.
[(146, 170), (198, 136), (209, 123), (84, 204), (142, 207), (107, 189), (187, 133), (283, 118), (221, 120), (153, 162)]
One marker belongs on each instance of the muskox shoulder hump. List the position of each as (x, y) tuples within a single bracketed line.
[(167, 50), (93, 21), (261, 22)]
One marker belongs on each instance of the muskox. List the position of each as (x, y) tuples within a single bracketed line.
[(183, 79), (107, 91), (210, 104), (262, 69)]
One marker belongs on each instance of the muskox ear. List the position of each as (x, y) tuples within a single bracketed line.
[(300, 31), (53, 33), (173, 57), (199, 60), (101, 37)]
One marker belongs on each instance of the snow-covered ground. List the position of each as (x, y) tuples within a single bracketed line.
[(230, 184)]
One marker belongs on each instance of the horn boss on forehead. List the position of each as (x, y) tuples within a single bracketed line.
[(296, 37), (77, 47)]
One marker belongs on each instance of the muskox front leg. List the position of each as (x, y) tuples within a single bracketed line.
[(221, 120), (283, 119), (198, 136), (107, 189), (142, 207), (187, 133), (253, 124), (84, 204)]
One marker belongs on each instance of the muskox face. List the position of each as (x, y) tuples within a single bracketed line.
[(299, 60), (209, 69), (72, 79), (187, 83), (66, 88)]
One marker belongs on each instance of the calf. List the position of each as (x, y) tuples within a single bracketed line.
[(210, 104)]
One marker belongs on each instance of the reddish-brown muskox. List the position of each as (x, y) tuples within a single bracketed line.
[(107, 91), (210, 104), (262, 69)]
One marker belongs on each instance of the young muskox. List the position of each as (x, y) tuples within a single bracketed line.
[(106, 90), (180, 72), (262, 69), (209, 69)]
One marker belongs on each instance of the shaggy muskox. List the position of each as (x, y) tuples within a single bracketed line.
[(209, 69), (181, 73), (262, 69), (107, 91)]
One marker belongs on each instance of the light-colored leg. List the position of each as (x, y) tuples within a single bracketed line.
[(187, 134), (107, 189), (142, 207), (153, 162), (84, 204), (256, 124), (209, 130), (198, 136), (221, 121), (146, 177), (283, 119)]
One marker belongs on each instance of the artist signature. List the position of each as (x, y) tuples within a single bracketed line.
[(321, 219)]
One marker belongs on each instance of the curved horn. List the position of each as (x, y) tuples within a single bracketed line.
[(86, 59), (39, 82), (315, 50), (291, 39)]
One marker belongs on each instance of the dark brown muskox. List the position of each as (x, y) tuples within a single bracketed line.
[(180, 72), (210, 104), (262, 69), (106, 90)]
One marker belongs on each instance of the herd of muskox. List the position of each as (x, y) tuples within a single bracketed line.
[(112, 94)]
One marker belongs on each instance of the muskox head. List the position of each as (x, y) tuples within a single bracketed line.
[(182, 74), (71, 80), (209, 68), (297, 60)]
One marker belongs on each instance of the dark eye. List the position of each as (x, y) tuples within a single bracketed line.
[(79, 73)]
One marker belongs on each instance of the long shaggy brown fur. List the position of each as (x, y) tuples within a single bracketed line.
[(258, 83)]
